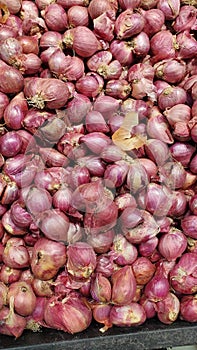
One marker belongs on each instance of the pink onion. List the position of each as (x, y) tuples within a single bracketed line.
[(12, 323), (129, 315), (188, 224), (71, 315), (96, 9), (168, 309), (157, 288), (54, 224), (163, 46), (100, 288), (128, 24), (171, 10), (172, 244), (81, 260), (143, 270), (154, 21), (83, 41), (24, 298), (123, 286), (188, 308), (185, 19), (183, 276), (48, 256), (15, 253), (39, 91)]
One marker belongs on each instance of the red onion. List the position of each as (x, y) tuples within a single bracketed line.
[(10, 144), (123, 286), (187, 45), (54, 224), (149, 306), (157, 288), (19, 215), (101, 242), (182, 276), (188, 308), (154, 21), (78, 16), (81, 260), (148, 247), (66, 67), (143, 270), (163, 46), (188, 224), (83, 41), (24, 298), (136, 180), (42, 288), (12, 324), (129, 315), (11, 80), (141, 76), (168, 309), (104, 26), (4, 102), (122, 251), (128, 24), (13, 8), (172, 244), (39, 91), (193, 204), (171, 96), (122, 51), (96, 9), (171, 10), (185, 19), (10, 48), (182, 152), (171, 70), (71, 315), (89, 85), (95, 122), (78, 107), (48, 256), (95, 141), (15, 112), (144, 230), (15, 253), (178, 113), (101, 313), (125, 4), (9, 275), (100, 288), (55, 17), (118, 88), (29, 44), (157, 127), (37, 200)]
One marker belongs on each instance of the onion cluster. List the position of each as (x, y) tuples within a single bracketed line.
[(98, 200)]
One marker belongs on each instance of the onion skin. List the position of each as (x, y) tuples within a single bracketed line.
[(81, 260)]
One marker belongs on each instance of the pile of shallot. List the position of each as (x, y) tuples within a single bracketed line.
[(98, 191)]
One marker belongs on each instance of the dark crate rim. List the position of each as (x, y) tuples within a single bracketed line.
[(151, 335)]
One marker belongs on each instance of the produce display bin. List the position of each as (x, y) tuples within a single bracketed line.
[(151, 335)]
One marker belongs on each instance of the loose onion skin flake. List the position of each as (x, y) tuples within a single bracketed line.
[(98, 163)]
